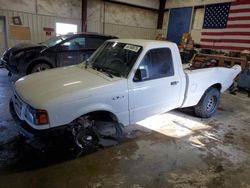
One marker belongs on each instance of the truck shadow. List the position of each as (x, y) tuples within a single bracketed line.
[(18, 155)]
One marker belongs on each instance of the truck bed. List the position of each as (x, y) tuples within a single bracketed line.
[(197, 81)]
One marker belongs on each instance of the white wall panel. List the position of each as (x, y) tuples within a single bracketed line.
[(121, 20), (188, 3), (124, 15), (130, 32), (19, 5), (36, 24), (145, 3), (60, 8), (95, 16), (197, 24)]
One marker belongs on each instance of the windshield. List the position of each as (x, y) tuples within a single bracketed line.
[(53, 41), (115, 58)]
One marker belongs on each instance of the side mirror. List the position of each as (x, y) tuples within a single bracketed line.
[(140, 74)]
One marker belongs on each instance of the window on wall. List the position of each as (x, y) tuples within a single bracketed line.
[(64, 28)]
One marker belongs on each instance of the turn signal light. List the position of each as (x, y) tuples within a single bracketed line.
[(42, 117)]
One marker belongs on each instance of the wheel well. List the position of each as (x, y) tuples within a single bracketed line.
[(103, 115), (217, 86), (32, 64)]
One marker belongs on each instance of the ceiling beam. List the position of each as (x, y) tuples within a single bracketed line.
[(161, 13), (84, 15), (131, 5)]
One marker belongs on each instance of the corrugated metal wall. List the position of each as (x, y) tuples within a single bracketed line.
[(125, 31), (197, 24), (121, 20), (36, 24)]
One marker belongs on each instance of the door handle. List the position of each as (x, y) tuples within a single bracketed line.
[(174, 83)]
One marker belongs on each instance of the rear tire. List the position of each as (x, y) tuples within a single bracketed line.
[(208, 104)]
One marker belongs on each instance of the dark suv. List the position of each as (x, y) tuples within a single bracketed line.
[(58, 51)]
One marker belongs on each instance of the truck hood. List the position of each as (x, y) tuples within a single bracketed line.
[(61, 84)]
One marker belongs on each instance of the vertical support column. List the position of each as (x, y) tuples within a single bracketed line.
[(84, 15), (161, 13)]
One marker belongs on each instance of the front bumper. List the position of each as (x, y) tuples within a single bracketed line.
[(29, 132), (9, 67)]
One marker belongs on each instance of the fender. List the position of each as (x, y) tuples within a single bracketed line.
[(58, 121), (28, 65)]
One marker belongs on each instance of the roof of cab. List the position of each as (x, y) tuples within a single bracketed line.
[(145, 43), (90, 34)]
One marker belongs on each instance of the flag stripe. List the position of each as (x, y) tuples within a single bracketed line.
[(227, 30), (238, 37), (240, 10), (227, 44), (239, 26), (240, 7), (225, 47), (227, 27), (239, 14), (226, 40), (240, 3), (239, 18), (238, 22), (225, 33)]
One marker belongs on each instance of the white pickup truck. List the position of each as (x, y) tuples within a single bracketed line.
[(124, 81)]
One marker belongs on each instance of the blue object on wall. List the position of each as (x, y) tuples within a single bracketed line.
[(179, 22)]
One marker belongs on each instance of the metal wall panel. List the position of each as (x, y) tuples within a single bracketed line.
[(190, 3), (120, 20), (197, 24), (36, 24), (124, 31)]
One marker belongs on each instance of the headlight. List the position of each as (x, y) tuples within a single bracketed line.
[(37, 117)]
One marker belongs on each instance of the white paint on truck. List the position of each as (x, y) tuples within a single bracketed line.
[(70, 92)]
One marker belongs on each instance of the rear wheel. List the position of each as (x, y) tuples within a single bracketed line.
[(208, 104), (38, 67)]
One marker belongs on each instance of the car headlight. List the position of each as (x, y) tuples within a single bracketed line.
[(37, 117)]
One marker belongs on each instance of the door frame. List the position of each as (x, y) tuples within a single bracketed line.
[(5, 31)]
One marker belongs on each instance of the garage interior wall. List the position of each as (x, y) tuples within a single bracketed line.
[(197, 18), (38, 14), (122, 20)]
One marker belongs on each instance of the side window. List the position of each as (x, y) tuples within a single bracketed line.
[(94, 42), (157, 63), (74, 44)]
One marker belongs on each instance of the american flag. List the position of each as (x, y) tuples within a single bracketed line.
[(226, 26)]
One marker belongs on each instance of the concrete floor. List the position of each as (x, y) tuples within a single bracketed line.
[(170, 150)]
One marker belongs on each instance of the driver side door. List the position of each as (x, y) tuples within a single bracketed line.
[(158, 90)]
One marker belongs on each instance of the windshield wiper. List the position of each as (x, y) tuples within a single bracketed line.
[(103, 70), (86, 63)]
